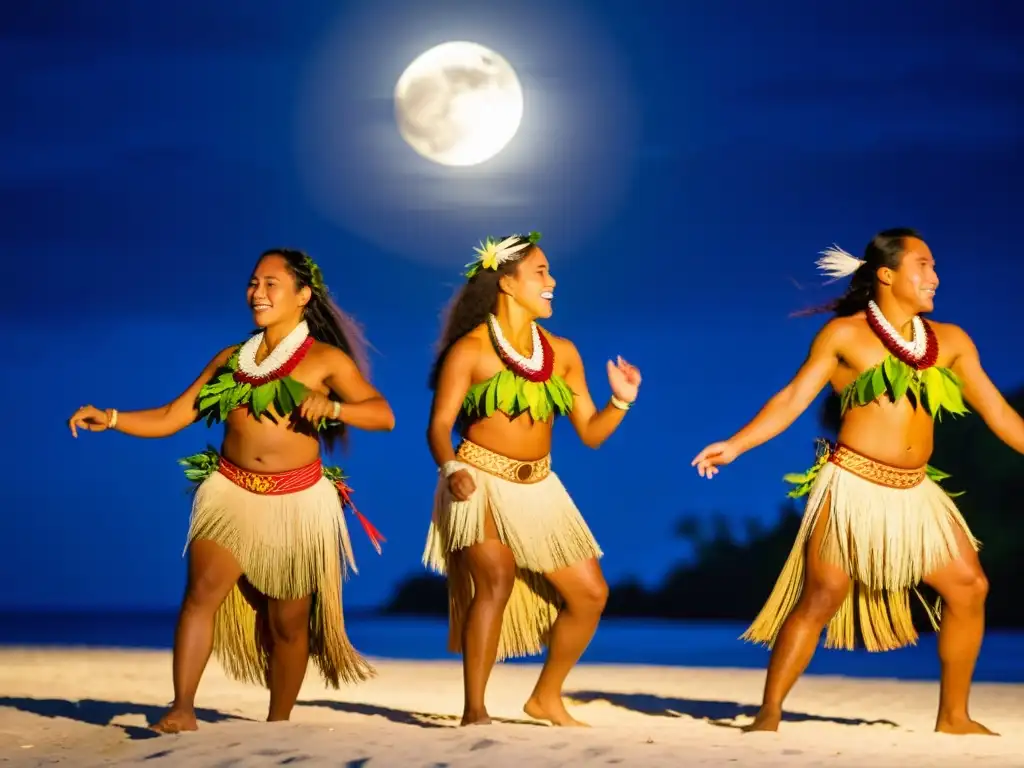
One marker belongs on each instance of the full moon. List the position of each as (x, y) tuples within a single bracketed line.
[(458, 104)]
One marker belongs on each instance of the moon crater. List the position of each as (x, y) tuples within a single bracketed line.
[(458, 104)]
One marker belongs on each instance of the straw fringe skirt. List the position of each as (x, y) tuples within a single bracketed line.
[(289, 546), (886, 528), (534, 517)]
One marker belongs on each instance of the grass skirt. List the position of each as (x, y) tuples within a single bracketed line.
[(289, 546), (535, 518), (886, 529)]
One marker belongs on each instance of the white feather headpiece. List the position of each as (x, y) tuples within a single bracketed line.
[(837, 263), (491, 254)]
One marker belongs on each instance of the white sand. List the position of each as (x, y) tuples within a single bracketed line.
[(89, 707)]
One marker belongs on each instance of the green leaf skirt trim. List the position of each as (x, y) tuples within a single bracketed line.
[(199, 466), (513, 395), (803, 482)]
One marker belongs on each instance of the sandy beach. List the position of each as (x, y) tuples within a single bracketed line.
[(90, 708)]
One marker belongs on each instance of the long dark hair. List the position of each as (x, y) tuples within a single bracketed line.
[(886, 249), (473, 302), (327, 323)]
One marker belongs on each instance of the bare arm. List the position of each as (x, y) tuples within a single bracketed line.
[(453, 381), (983, 396), (593, 426), (175, 416), (363, 407), (792, 400)]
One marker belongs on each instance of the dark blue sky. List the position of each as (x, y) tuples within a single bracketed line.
[(685, 164)]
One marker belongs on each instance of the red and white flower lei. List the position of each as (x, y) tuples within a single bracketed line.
[(537, 367), (279, 363), (919, 353)]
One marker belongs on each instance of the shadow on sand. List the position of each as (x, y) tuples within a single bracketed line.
[(102, 713), (402, 716), (719, 713)]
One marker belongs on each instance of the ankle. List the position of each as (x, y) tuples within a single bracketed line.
[(953, 716)]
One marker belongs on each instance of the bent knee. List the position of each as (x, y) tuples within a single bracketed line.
[(289, 630), (205, 594), (971, 592), (822, 599), (289, 626), (591, 597), (495, 583)]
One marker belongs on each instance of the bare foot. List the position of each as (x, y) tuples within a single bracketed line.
[(476, 718), (176, 721), (765, 720), (553, 711), (963, 727)]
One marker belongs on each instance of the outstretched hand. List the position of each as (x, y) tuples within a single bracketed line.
[(624, 379), (88, 418), (714, 456)]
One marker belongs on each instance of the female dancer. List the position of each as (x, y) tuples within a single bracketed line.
[(521, 562), (268, 545), (876, 522)]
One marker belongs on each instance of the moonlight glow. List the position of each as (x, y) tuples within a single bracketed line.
[(458, 104)]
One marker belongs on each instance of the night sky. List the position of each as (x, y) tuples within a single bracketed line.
[(685, 165)]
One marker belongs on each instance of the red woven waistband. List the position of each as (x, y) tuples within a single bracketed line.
[(272, 483)]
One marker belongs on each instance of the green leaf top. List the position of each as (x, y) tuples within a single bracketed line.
[(222, 394), (935, 389), (513, 395)]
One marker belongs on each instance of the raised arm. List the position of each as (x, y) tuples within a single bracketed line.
[(594, 426), (982, 395), (362, 406), (785, 405), (154, 422)]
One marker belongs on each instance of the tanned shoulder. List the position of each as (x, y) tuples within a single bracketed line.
[(841, 329), (329, 352), (222, 357), (556, 342), (951, 335), (837, 335), (466, 350)]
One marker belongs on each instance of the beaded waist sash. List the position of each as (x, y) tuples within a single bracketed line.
[(272, 483), (875, 471), (513, 470)]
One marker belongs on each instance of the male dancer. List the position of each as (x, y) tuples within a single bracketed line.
[(876, 524)]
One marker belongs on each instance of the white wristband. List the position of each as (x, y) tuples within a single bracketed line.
[(449, 468), (622, 405)]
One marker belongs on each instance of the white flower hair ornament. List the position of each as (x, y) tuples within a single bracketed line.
[(491, 253), (837, 263)]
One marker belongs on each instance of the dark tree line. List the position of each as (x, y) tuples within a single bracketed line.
[(732, 572)]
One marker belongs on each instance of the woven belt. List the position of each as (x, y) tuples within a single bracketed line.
[(513, 470), (272, 483), (875, 471)]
